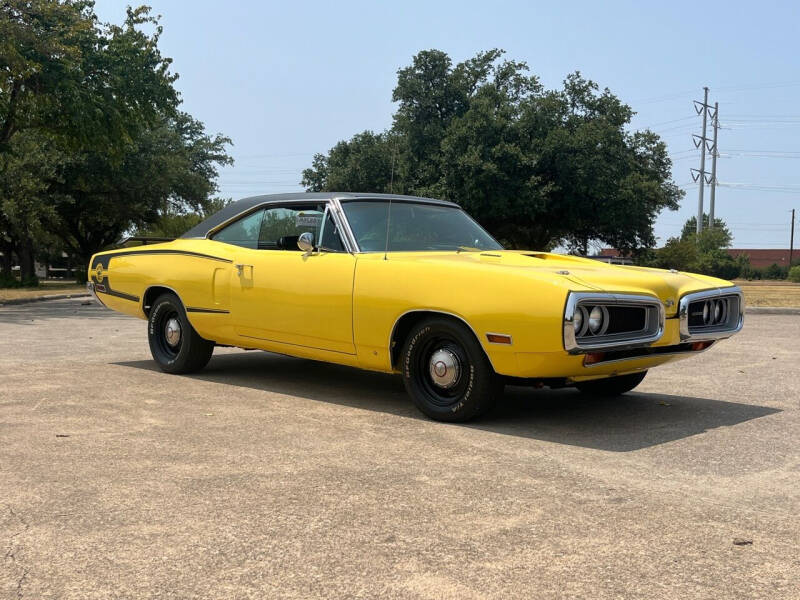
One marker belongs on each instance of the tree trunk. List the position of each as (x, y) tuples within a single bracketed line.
[(81, 271), (27, 264)]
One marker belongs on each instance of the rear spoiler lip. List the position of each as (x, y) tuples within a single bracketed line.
[(145, 240)]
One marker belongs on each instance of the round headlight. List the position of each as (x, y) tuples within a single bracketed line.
[(706, 312), (597, 319), (577, 320), (721, 311)]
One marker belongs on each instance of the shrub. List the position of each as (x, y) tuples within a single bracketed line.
[(794, 274), (9, 281), (775, 272)]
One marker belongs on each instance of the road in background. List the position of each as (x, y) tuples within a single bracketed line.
[(272, 477)]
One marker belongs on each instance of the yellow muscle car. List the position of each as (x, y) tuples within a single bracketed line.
[(409, 285)]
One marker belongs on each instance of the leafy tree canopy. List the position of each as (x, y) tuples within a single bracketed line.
[(719, 236), (537, 167), (704, 253), (92, 140)]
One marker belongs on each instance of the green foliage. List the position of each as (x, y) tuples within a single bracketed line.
[(7, 280), (775, 271), (537, 167), (168, 169), (92, 141), (794, 274), (173, 223), (362, 163), (746, 270), (690, 229), (705, 253)]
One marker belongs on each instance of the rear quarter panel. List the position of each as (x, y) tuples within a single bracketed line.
[(198, 271)]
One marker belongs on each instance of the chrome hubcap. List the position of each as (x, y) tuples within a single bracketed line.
[(172, 332), (445, 368)]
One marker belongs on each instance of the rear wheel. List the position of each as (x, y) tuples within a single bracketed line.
[(174, 344), (446, 372), (611, 386)]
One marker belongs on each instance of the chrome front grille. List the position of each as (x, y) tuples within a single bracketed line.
[(712, 314), (623, 320)]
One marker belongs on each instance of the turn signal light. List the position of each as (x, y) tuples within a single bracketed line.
[(593, 358), (499, 338), (697, 346)]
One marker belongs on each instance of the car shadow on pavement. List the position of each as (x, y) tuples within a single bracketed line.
[(631, 422)]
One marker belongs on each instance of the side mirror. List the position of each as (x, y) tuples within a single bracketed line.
[(306, 241)]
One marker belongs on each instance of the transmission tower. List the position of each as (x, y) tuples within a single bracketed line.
[(702, 142)]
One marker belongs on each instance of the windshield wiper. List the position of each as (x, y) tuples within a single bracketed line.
[(467, 249)]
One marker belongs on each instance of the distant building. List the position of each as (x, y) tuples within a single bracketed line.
[(612, 257), (759, 257), (764, 257)]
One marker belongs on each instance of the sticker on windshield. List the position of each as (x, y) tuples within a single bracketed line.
[(306, 220)]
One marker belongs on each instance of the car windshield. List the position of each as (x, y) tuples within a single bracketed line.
[(415, 227)]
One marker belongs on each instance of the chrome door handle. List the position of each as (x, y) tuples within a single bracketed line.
[(240, 268)]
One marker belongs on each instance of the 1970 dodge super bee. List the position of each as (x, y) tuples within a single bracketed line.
[(409, 285)]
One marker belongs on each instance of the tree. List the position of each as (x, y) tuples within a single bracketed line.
[(175, 222), (88, 84), (25, 213), (168, 170), (536, 167), (92, 141), (364, 162), (690, 229), (704, 253)]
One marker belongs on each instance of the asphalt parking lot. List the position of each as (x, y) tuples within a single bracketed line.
[(272, 477)]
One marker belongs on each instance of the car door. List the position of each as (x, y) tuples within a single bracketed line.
[(282, 294)]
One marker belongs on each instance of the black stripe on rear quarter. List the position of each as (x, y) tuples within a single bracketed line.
[(122, 295), (105, 258)]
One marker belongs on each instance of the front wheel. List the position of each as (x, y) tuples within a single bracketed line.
[(446, 372), (174, 344), (611, 386)]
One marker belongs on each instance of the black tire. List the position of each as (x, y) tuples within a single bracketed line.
[(190, 352), (465, 391), (611, 386)]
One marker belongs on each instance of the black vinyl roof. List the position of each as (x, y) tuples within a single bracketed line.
[(244, 205)]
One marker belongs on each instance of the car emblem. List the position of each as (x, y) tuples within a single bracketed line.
[(669, 302), (98, 273)]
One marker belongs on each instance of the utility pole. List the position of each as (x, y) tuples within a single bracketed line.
[(701, 141), (714, 155), (791, 242)]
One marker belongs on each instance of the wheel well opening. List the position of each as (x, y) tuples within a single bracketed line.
[(408, 321), (151, 295)]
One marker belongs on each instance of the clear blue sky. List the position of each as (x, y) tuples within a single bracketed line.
[(287, 79)]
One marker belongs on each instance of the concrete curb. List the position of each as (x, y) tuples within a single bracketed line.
[(770, 310), (14, 301)]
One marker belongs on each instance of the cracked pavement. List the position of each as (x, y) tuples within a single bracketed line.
[(272, 477)]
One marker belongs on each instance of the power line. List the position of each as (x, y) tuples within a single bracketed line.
[(760, 155), (768, 86)]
